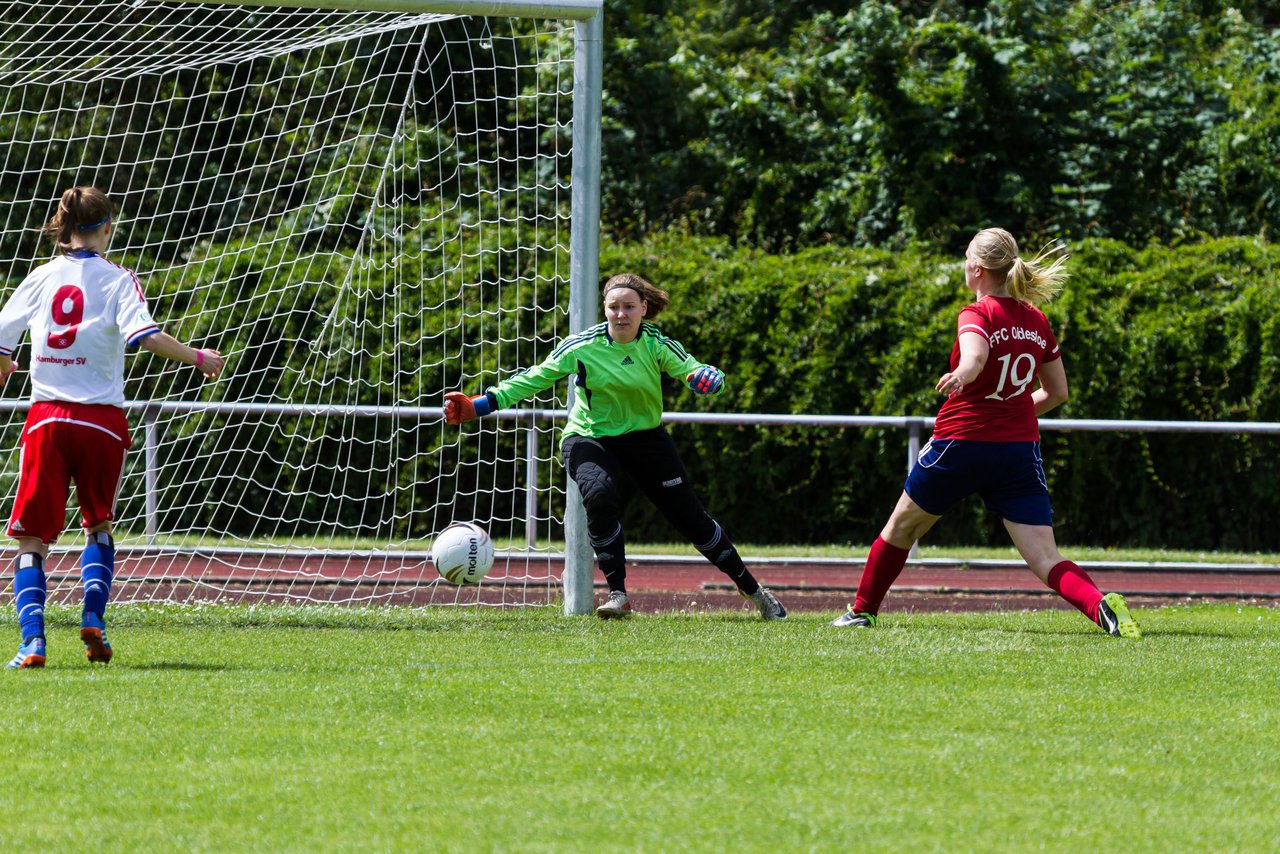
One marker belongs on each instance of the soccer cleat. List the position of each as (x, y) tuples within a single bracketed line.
[(1115, 619), (856, 619), (30, 654), (93, 631), (615, 607), (770, 607)]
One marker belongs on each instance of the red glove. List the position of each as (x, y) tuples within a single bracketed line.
[(458, 408)]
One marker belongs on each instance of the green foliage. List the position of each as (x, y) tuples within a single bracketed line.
[(1183, 334), (785, 125)]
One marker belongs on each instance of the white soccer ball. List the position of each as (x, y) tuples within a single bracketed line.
[(463, 553)]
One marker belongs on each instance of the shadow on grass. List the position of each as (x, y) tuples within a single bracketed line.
[(178, 665), (1147, 634), (1187, 633)]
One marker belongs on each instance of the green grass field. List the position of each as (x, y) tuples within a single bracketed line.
[(300, 729)]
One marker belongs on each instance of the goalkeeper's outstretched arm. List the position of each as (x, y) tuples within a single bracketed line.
[(460, 408)]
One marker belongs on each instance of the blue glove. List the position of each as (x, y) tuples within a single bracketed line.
[(706, 380)]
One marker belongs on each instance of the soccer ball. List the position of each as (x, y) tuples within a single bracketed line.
[(463, 553)]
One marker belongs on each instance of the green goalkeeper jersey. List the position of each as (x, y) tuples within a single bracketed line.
[(619, 385)]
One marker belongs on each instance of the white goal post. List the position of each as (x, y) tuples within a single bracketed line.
[(363, 204)]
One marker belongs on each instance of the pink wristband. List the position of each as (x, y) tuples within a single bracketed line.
[(199, 358)]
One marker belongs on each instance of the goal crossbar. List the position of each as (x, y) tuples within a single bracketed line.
[(573, 10)]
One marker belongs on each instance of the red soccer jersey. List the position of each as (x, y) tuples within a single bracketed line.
[(997, 407)]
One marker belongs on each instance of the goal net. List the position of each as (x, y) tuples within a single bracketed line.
[(361, 210)]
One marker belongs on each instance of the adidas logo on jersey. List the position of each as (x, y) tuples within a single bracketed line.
[(628, 361)]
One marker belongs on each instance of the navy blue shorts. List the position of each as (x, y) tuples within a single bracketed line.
[(1008, 475)]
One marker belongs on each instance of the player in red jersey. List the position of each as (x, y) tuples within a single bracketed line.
[(1006, 371), (81, 311)]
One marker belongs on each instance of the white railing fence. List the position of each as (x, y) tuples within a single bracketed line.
[(917, 428)]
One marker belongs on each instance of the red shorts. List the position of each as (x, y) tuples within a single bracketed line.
[(62, 442)]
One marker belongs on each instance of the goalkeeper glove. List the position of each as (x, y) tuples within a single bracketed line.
[(706, 380), (459, 408)]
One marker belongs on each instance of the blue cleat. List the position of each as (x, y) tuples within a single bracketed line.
[(30, 654), (93, 631)]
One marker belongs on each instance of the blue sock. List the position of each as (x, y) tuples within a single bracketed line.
[(28, 594), (97, 566)]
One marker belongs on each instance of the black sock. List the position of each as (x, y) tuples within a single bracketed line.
[(611, 557), (724, 554)]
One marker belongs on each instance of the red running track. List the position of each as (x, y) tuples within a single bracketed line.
[(662, 582), (936, 584)]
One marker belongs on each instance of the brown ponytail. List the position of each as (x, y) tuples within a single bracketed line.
[(80, 210), (656, 297)]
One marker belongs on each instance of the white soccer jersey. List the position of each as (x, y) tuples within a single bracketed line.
[(81, 310)]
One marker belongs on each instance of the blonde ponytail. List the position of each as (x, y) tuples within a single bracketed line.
[(1039, 280), (1036, 281)]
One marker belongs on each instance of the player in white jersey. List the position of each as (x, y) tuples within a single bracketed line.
[(81, 310)]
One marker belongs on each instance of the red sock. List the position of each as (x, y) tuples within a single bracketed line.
[(1074, 584), (884, 565)]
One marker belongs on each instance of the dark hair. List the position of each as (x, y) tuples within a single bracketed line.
[(657, 298), (81, 209)]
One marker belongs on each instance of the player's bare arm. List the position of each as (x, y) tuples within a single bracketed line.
[(974, 350), (1053, 387), (209, 362)]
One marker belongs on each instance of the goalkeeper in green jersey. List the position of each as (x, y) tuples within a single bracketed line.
[(615, 430)]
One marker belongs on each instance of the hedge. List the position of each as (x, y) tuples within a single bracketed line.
[(1185, 333)]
